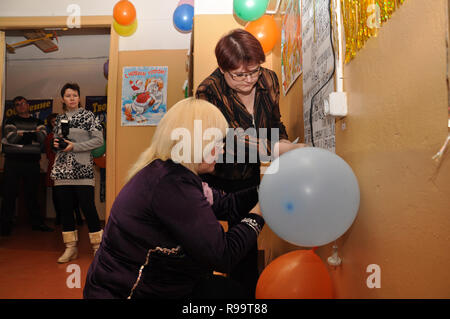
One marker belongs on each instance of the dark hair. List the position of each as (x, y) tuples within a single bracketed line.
[(238, 48), (72, 86), (49, 119), (19, 98)]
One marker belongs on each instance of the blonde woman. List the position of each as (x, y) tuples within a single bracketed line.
[(163, 238)]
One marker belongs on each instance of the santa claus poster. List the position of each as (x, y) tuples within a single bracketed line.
[(144, 95)]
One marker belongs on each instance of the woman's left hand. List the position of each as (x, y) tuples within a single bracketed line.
[(284, 146), (207, 191), (69, 146)]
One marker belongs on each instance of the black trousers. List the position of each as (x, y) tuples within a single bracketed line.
[(246, 272), (14, 172), (219, 287), (66, 196), (57, 207)]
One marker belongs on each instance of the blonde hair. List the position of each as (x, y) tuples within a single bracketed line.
[(182, 117)]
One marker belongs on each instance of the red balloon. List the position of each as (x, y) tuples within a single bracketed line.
[(265, 29), (300, 274), (100, 161), (124, 12)]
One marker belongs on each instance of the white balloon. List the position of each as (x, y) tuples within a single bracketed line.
[(309, 196)]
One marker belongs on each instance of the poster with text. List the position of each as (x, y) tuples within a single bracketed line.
[(144, 95), (97, 105), (318, 64), (291, 45)]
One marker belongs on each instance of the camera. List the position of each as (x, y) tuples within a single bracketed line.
[(65, 127)]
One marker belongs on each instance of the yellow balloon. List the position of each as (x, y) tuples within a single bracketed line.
[(125, 30)]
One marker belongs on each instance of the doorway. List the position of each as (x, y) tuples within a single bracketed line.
[(27, 256), (89, 25)]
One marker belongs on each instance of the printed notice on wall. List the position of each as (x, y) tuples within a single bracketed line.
[(317, 68)]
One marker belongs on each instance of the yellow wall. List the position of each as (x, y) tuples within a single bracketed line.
[(397, 121), (208, 29), (131, 141)]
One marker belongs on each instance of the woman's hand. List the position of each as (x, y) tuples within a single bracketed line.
[(67, 149), (69, 146), (207, 191), (284, 146)]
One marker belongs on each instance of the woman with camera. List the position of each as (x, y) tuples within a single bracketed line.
[(77, 133)]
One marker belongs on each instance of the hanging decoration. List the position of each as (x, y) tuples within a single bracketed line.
[(291, 45), (265, 29), (124, 14), (362, 19), (183, 17), (125, 30), (250, 10)]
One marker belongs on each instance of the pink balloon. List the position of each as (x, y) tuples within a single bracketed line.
[(190, 2)]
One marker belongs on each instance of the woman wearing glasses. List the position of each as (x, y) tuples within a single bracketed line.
[(248, 96)]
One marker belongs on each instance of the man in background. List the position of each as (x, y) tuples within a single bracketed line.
[(23, 139)]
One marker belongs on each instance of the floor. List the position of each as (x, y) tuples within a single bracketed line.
[(28, 267)]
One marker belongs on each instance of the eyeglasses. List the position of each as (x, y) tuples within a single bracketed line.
[(242, 76)]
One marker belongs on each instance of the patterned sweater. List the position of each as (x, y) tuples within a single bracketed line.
[(26, 146), (76, 167)]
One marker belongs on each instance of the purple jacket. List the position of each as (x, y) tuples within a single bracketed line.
[(163, 235)]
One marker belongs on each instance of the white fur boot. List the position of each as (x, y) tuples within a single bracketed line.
[(96, 239), (70, 238)]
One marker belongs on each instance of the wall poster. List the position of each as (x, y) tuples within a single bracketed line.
[(97, 105), (291, 45), (40, 109), (144, 95), (317, 67)]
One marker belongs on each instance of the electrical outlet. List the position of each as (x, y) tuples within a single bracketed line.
[(336, 104)]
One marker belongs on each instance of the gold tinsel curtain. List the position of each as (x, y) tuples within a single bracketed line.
[(362, 18)]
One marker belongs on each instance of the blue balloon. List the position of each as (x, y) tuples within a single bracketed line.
[(309, 196), (183, 17)]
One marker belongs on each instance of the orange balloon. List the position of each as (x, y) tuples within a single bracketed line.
[(124, 12), (300, 274), (100, 161), (265, 29)]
